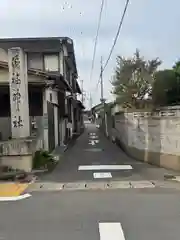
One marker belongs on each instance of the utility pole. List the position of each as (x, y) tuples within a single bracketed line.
[(90, 101), (101, 82), (82, 89), (102, 97)]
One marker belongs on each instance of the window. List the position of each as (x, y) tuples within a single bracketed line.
[(35, 60), (51, 62)]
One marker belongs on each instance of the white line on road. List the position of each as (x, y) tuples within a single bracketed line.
[(93, 136), (92, 142), (102, 175), (105, 167), (111, 231), (21, 197)]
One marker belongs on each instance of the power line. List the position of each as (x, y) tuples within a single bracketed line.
[(114, 43), (96, 39), (117, 35)]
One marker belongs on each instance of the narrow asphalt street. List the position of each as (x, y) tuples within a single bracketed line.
[(93, 150), (127, 213)]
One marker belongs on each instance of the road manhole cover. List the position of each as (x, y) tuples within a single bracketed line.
[(93, 150)]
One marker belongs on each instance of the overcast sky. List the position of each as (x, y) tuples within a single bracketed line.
[(150, 25)]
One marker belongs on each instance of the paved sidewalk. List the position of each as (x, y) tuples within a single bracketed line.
[(12, 189)]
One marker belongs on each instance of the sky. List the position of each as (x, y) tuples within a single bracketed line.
[(149, 25)]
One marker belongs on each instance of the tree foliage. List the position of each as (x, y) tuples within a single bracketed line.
[(176, 67), (166, 87), (133, 78)]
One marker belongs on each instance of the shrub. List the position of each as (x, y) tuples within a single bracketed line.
[(42, 159)]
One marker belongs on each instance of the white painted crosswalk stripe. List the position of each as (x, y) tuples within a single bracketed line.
[(102, 175), (93, 137), (111, 231), (104, 167)]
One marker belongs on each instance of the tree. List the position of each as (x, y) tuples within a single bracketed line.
[(165, 89), (133, 78), (176, 67)]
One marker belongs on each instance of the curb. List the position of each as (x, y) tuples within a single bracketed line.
[(23, 195)]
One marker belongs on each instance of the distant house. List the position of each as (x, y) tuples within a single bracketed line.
[(54, 111)]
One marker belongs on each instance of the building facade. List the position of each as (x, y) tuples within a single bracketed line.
[(38, 93)]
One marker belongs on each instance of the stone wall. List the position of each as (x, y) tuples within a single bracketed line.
[(18, 153), (5, 127), (155, 135)]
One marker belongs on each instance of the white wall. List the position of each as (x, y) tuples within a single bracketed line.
[(154, 133)]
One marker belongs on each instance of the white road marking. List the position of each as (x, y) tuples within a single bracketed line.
[(177, 178), (111, 231), (102, 175), (92, 142), (86, 122), (93, 136), (105, 167), (21, 197)]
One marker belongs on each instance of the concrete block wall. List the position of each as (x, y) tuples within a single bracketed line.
[(150, 137)]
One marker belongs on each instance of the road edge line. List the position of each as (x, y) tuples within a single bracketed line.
[(15, 198)]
